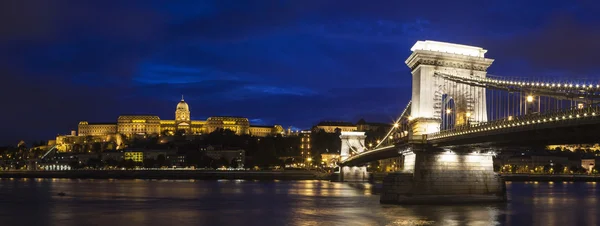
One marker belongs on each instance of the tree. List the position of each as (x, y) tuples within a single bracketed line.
[(128, 164), (96, 147), (233, 163), (514, 168), (558, 168), (111, 162), (95, 163), (149, 163), (497, 168), (222, 162), (547, 168), (74, 164), (161, 160)]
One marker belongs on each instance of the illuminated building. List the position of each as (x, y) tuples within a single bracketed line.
[(331, 127), (362, 125), (588, 164), (96, 129), (236, 124), (231, 156), (305, 144), (263, 131), (136, 156), (128, 126), (330, 159)]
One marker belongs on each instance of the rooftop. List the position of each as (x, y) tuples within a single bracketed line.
[(334, 123), (102, 123)]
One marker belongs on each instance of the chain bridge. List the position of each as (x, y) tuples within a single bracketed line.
[(459, 117)]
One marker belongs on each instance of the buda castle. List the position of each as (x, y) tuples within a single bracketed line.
[(129, 126)]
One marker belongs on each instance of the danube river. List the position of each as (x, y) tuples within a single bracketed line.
[(237, 202)]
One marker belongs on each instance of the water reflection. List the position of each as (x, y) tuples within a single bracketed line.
[(242, 202)]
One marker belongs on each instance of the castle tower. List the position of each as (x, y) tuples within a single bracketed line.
[(182, 116)]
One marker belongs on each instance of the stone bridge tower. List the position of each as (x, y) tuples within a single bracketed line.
[(352, 142), (431, 57)]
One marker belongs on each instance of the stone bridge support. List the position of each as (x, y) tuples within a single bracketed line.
[(354, 174), (432, 177), (352, 143)]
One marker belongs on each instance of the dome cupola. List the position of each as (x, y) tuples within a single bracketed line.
[(182, 112)]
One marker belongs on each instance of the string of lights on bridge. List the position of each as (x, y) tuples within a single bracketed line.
[(522, 83), (518, 122), (395, 126)]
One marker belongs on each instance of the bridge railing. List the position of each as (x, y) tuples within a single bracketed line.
[(530, 119)]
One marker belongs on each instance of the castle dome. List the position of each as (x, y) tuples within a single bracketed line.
[(182, 105)]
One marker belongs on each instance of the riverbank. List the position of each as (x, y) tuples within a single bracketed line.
[(551, 177), (169, 174), (378, 177), (246, 175)]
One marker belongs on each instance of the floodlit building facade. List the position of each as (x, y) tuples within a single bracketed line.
[(130, 125), (331, 127)]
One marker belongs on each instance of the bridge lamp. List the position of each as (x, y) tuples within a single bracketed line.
[(396, 125), (468, 114), (530, 98), (410, 118), (510, 118), (370, 144), (580, 106), (378, 141), (448, 111)]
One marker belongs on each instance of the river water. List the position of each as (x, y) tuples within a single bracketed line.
[(238, 202)]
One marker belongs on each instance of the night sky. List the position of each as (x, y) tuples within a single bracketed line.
[(292, 63)]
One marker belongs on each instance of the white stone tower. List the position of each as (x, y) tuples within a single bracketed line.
[(431, 57), (352, 142)]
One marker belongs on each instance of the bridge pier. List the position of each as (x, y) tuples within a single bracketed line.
[(444, 177), (353, 174)]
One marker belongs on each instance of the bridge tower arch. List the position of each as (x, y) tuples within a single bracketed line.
[(352, 142), (429, 57)]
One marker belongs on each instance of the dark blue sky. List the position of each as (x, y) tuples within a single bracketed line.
[(276, 62)]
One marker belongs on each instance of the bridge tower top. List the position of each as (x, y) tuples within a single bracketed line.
[(452, 48), (432, 94)]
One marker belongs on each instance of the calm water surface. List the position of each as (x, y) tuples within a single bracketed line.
[(231, 202)]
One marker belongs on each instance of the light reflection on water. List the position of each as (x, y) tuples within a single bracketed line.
[(242, 202)]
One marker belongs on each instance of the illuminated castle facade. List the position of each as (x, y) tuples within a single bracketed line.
[(131, 125)]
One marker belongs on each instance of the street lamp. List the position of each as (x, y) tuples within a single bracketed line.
[(448, 111), (530, 98), (468, 117)]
